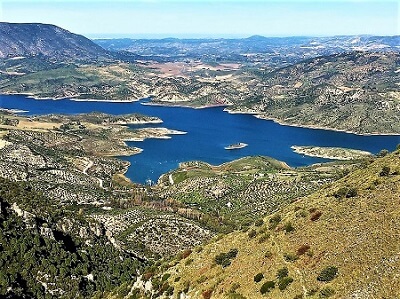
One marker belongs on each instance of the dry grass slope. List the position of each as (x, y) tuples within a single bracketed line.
[(357, 233)]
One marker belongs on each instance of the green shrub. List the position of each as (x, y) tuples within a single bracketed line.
[(290, 257), (262, 230), (259, 222), (157, 284), (258, 277), (326, 292), (232, 253), (245, 225), (236, 296), (274, 221), (340, 193), (385, 171), (382, 153), (179, 256), (252, 233), (345, 192), (165, 277), (188, 262), (282, 272), (263, 238), (268, 254), (224, 259), (328, 274), (225, 263), (284, 282), (169, 291), (352, 192), (267, 287), (186, 286), (288, 227)]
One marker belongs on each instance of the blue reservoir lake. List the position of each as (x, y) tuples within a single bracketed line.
[(208, 132)]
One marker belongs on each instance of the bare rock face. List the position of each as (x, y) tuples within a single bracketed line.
[(84, 233), (97, 228), (50, 41), (47, 232)]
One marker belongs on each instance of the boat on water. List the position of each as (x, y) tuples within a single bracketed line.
[(236, 146)]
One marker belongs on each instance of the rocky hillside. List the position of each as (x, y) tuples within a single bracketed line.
[(48, 252), (356, 91), (53, 42), (340, 242)]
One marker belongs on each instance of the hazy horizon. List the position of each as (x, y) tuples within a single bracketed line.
[(205, 18), (205, 36)]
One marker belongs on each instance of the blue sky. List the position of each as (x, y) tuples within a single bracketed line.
[(217, 18)]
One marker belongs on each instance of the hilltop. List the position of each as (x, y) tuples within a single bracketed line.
[(52, 42), (340, 242)]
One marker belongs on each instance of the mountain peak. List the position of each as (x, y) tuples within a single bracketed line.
[(31, 39)]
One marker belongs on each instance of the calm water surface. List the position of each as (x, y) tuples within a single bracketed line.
[(208, 132)]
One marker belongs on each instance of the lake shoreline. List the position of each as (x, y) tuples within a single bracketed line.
[(315, 127), (263, 117), (209, 131), (226, 109), (158, 104), (71, 98)]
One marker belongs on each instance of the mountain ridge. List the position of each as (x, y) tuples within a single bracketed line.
[(51, 41)]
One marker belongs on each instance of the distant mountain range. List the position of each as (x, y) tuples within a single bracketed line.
[(47, 40), (53, 42), (252, 49)]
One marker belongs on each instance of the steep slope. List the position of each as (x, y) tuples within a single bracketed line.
[(237, 193), (48, 40), (341, 242), (52, 252)]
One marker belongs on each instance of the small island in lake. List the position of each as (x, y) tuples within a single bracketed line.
[(236, 146), (334, 153)]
